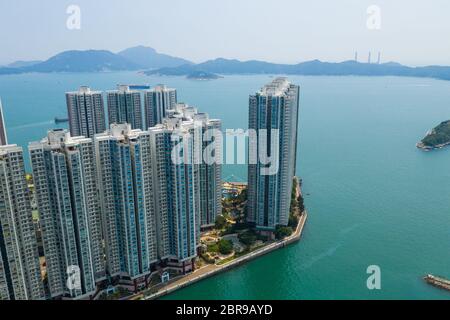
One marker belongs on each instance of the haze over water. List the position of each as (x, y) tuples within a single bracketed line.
[(372, 197)]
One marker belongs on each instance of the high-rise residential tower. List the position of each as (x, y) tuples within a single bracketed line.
[(273, 114), (156, 102), (3, 137), (124, 106), (176, 186), (126, 195), (64, 175), (86, 112), (210, 155), (20, 274)]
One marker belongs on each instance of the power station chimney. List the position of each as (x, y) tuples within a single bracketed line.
[(379, 58), (368, 59), (356, 56)]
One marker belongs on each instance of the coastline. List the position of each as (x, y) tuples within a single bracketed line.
[(212, 270), (423, 147)]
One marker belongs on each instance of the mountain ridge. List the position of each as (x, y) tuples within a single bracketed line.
[(148, 60), (312, 67), (96, 61), (23, 63)]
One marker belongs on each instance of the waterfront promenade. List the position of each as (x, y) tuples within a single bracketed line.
[(213, 269)]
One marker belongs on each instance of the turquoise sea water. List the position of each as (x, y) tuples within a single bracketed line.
[(372, 197)]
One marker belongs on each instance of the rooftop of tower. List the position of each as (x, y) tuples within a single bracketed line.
[(277, 87), (120, 132), (5, 149), (58, 138), (84, 90), (182, 110), (161, 88), (123, 88)]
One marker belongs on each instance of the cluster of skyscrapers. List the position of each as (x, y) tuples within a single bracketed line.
[(114, 204), (87, 113)]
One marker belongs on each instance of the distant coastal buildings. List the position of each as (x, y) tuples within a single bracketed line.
[(369, 57), (273, 109)]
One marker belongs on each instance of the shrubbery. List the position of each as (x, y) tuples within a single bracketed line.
[(248, 238), (221, 222), (439, 135), (225, 246), (213, 248), (282, 232)]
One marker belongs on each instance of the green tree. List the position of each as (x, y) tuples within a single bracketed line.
[(282, 232), (221, 222), (213, 248), (242, 196), (248, 238), (225, 246), (293, 220), (300, 204)]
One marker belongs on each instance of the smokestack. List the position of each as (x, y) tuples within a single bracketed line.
[(368, 59), (356, 56), (379, 58)]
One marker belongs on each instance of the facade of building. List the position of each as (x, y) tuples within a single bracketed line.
[(64, 175), (126, 196), (273, 114), (124, 106), (208, 133), (20, 274), (3, 137), (176, 181), (210, 172), (156, 102), (86, 112)]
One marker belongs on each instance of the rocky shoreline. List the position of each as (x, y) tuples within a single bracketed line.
[(421, 145)]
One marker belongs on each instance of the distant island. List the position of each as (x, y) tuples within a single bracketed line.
[(310, 68), (201, 75), (148, 61), (437, 138), (131, 59)]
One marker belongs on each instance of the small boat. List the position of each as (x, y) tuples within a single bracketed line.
[(438, 282), (61, 120)]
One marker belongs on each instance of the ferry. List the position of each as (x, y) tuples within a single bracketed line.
[(61, 120), (438, 282)]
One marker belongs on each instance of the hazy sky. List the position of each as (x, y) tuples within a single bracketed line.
[(414, 32)]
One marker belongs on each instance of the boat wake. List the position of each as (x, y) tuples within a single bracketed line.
[(31, 125), (320, 256)]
